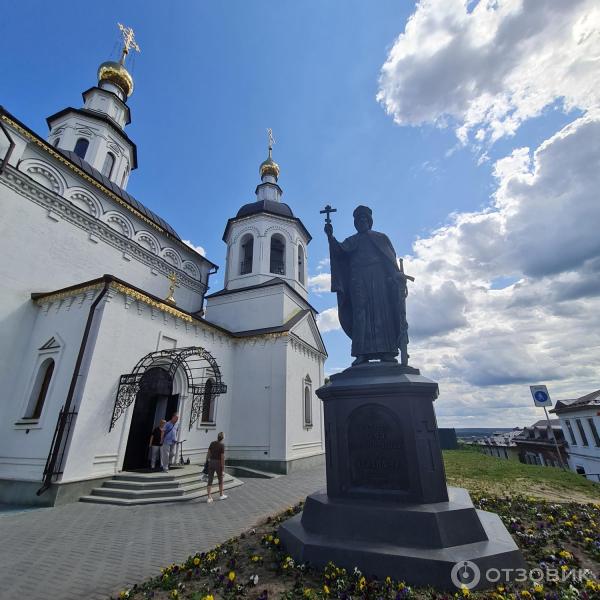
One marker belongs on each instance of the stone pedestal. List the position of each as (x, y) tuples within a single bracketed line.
[(387, 509)]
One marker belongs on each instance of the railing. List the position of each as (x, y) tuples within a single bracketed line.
[(277, 267), (246, 266)]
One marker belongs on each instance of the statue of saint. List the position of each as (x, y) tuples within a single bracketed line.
[(371, 289)]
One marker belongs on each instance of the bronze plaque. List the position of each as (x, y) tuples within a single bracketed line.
[(376, 449)]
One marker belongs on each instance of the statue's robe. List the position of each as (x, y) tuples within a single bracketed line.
[(371, 307)]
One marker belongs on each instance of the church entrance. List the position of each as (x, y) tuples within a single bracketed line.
[(154, 401)]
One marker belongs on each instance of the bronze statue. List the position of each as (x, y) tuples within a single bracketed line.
[(371, 289)]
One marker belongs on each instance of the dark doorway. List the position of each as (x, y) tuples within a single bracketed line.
[(153, 402)]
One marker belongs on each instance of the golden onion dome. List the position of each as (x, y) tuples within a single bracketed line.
[(269, 167), (116, 73)]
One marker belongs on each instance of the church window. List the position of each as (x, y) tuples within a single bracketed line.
[(109, 163), (581, 432), (277, 262), (246, 254), (594, 431), (56, 142), (307, 401), (81, 147), (301, 264), (208, 404), (40, 390), (125, 174), (571, 434)]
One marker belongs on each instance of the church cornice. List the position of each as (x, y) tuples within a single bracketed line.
[(86, 113), (57, 205), (30, 135)]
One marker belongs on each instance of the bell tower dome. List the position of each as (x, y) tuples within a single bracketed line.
[(95, 133)]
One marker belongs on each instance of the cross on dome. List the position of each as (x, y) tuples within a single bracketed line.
[(128, 41)]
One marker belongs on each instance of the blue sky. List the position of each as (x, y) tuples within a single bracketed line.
[(212, 76)]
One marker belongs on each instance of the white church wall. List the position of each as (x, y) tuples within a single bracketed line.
[(103, 237), (247, 310), (257, 425), (25, 443), (130, 329), (305, 369)]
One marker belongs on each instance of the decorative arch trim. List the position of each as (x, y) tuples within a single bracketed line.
[(119, 223), (170, 252), (244, 230), (85, 200), (270, 231), (45, 174), (198, 364), (148, 241)]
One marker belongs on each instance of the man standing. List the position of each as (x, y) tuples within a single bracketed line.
[(156, 442), (216, 464), (371, 291), (169, 443)]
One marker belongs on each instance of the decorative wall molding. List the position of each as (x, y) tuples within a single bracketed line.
[(64, 208)]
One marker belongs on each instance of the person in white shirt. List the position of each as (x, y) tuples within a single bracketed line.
[(169, 446)]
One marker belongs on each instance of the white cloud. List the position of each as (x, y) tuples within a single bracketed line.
[(323, 263), (540, 234), (198, 249), (486, 67), (327, 320), (320, 283)]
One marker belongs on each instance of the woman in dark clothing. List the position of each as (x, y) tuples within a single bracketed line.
[(216, 464)]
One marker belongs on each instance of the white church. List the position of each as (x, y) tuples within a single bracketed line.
[(106, 324)]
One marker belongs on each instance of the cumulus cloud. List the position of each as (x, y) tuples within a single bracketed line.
[(327, 320), (486, 67), (320, 283), (198, 249), (485, 343)]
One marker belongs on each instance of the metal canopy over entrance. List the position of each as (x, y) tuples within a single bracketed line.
[(198, 364)]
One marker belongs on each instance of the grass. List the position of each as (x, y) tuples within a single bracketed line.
[(484, 474)]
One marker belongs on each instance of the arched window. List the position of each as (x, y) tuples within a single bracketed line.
[(40, 390), (307, 407), (301, 264), (246, 254), (81, 147), (208, 404), (56, 142), (109, 163), (277, 262), (125, 174)]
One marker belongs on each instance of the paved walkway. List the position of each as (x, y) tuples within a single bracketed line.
[(90, 551)]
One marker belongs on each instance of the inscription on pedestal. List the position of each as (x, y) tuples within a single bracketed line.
[(376, 449)]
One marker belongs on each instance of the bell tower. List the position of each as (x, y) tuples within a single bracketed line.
[(265, 240), (95, 133)]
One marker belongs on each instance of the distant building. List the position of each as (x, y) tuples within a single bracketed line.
[(536, 446), (580, 422), (500, 444)]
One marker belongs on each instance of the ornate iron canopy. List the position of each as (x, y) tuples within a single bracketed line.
[(198, 364)]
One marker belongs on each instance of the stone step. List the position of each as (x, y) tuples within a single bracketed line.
[(134, 484), (199, 492), (172, 475), (145, 490)]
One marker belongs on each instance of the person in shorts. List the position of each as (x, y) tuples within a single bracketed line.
[(216, 464)]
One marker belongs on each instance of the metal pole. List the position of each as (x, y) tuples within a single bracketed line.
[(562, 464)]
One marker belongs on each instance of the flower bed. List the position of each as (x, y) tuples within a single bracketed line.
[(560, 540)]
